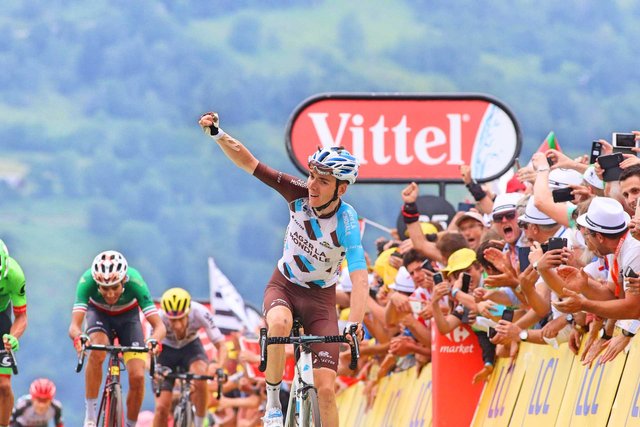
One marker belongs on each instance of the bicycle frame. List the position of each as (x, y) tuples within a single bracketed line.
[(303, 405), (112, 391)]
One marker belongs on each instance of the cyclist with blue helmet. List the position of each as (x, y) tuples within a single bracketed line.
[(323, 230)]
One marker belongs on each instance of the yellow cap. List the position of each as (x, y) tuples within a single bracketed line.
[(427, 228), (382, 267), (460, 260)]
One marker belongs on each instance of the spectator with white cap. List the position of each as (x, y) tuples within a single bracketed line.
[(472, 226), (547, 180), (605, 226), (505, 222)]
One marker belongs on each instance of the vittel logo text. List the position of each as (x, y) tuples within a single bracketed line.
[(404, 149), (408, 137)]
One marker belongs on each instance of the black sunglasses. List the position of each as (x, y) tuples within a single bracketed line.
[(508, 215)]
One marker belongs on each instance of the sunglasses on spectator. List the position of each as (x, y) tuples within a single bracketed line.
[(523, 225), (508, 215)]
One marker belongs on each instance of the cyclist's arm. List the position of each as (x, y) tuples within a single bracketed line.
[(57, 417), (158, 330), (222, 353), (75, 328), (19, 324), (359, 295), (232, 148)]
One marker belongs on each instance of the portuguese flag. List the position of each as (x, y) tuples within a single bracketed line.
[(549, 143)]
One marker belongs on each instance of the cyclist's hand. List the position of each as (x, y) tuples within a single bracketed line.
[(210, 123), (10, 342), (359, 331), (154, 346), (79, 341)]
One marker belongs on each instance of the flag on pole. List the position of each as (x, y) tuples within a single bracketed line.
[(231, 314), (549, 143)]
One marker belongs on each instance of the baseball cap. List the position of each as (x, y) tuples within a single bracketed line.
[(591, 178), (605, 215), (562, 178), (403, 282), (514, 185), (533, 215), (460, 260), (472, 215), (506, 202), (427, 228)]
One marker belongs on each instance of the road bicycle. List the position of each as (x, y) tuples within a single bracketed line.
[(185, 411), (303, 407), (111, 412)]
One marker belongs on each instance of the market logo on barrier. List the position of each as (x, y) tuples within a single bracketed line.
[(409, 137)]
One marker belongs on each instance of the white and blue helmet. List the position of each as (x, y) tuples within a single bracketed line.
[(336, 161)]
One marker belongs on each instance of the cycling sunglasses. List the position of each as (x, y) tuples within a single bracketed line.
[(320, 168), (500, 216)]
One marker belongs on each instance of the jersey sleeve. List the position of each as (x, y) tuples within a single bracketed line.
[(83, 292), (21, 405), (290, 187), (142, 294), (57, 413), (349, 237), (205, 317), (17, 287)]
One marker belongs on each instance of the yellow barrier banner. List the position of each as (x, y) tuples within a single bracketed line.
[(500, 393), (626, 408), (350, 401), (547, 373), (416, 408), (590, 392)]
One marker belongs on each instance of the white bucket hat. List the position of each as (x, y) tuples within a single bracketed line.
[(591, 178), (404, 282), (533, 215), (605, 215), (562, 178), (506, 202)]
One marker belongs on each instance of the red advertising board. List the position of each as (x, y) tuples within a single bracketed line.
[(409, 137), (455, 358)]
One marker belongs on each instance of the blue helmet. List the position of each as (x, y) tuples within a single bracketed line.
[(336, 161)]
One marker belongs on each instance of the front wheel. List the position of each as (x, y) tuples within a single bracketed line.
[(110, 413), (183, 415), (310, 403)]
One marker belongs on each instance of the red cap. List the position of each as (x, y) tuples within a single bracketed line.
[(514, 185)]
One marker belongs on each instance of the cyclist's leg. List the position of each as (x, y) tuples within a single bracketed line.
[(278, 311), (169, 357), (99, 333), (197, 363), (320, 318), (129, 331), (6, 392)]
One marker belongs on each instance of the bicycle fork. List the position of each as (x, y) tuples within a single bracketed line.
[(303, 382)]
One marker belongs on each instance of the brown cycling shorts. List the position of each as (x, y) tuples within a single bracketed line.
[(316, 309)]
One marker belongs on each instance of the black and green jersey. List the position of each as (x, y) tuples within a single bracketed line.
[(136, 294), (12, 288)]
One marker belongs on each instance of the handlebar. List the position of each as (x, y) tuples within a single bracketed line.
[(221, 377), (114, 350), (311, 339), (11, 359)]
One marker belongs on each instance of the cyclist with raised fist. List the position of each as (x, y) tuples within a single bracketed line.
[(12, 298), (182, 349), (323, 230), (109, 295)]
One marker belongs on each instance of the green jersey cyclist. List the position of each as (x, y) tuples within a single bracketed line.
[(109, 295), (12, 298), (323, 230)]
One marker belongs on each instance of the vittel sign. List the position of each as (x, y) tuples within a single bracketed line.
[(409, 137)]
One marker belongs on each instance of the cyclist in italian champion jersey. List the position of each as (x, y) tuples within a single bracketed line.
[(38, 407), (183, 349), (109, 295), (323, 230), (12, 298)]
